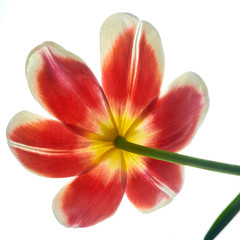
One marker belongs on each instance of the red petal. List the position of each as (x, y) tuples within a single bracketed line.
[(155, 186), (66, 87), (90, 198), (178, 114), (46, 147), (132, 63)]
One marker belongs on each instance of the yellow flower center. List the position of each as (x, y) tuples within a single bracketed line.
[(103, 143)]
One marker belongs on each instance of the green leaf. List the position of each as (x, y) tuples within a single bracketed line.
[(224, 218)]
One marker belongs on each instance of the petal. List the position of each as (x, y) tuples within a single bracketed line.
[(132, 63), (89, 198), (178, 114), (46, 147), (66, 87), (155, 186)]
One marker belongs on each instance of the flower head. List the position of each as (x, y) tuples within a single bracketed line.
[(80, 142)]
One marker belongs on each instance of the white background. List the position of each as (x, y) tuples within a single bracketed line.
[(200, 36)]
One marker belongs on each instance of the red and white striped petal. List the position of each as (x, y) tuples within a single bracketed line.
[(47, 147), (155, 185), (132, 63), (178, 113), (66, 87), (90, 198)]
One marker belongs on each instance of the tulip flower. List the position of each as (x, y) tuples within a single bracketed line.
[(93, 128)]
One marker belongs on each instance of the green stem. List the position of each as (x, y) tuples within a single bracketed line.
[(123, 144), (224, 218)]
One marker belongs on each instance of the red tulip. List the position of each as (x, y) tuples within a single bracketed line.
[(80, 142)]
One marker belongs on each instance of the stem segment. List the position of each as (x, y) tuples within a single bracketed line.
[(122, 143)]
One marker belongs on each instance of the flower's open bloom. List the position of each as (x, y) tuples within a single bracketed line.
[(81, 142)]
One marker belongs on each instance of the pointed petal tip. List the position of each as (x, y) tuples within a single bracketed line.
[(194, 81), (47, 46), (20, 118), (34, 50), (57, 209), (119, 16), (162, 204)]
